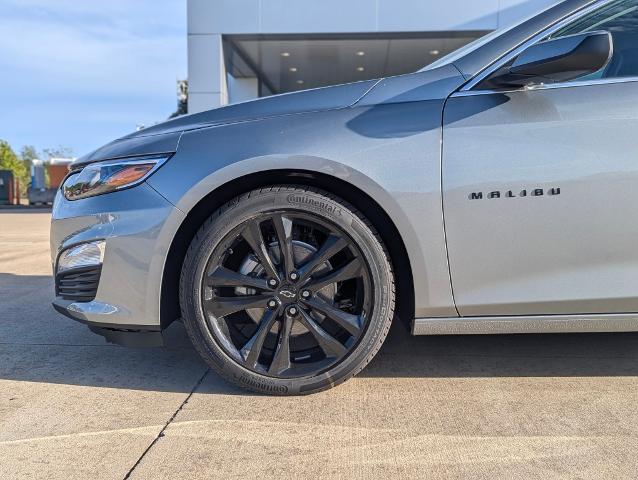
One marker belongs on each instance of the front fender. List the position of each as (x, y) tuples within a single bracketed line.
[(391, 152)]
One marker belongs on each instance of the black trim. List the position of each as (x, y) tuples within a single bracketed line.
[(130, 338), (78, 284)]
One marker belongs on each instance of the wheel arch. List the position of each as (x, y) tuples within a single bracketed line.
[(368, 206)]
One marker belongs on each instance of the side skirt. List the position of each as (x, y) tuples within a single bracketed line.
[(626, 322)]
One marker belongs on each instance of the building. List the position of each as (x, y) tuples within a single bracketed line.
[(244, 49)]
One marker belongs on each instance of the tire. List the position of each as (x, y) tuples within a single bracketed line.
[(329, 312)]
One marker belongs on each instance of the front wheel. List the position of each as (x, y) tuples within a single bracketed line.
[(287, 291)]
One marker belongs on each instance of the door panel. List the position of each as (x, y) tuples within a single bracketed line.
[(575, 251)]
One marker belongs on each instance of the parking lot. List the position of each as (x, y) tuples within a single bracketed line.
[(72, 406)]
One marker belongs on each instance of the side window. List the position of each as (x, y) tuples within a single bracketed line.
[(619, 18)]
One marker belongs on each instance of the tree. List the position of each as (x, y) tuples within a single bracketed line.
[(29, 154), (182, 99), (10, 161), (58, 152)]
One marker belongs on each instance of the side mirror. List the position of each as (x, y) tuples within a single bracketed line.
[(557, 60)]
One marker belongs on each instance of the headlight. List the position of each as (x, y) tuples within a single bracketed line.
[(110, 176)]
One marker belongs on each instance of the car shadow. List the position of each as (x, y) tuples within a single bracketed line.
[(39, 345), (526, 355)]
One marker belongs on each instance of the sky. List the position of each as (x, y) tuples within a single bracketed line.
[(80, 73)]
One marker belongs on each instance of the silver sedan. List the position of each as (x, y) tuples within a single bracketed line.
[(489, 192)]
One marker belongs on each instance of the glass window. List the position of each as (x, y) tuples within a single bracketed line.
[(619, 18)]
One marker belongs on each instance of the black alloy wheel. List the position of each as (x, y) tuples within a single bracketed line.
[(285, 294)]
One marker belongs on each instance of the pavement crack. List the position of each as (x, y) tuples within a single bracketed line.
[(170, 420)]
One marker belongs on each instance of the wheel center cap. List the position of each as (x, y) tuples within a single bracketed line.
[(287, 293)]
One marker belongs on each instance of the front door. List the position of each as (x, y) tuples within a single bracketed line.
[(540, 188)]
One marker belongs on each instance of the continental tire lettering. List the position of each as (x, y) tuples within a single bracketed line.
[(251, 382), (294, 199)]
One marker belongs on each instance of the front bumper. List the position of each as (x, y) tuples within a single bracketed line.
[(137, 226), (131, 336)]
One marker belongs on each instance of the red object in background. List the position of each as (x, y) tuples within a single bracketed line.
[(17, 202), (57, 173)]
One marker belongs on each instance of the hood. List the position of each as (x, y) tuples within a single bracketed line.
[(164, 137), (319, 99)]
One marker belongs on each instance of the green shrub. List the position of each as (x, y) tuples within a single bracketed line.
[(10, 161)]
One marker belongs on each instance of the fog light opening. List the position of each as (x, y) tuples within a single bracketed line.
[(85, 255)]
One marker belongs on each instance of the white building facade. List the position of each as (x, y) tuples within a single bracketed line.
[(244, 49)]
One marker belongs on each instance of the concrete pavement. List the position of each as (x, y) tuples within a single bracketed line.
[(71, 406)]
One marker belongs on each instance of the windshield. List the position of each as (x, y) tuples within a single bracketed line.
[(476, 44)]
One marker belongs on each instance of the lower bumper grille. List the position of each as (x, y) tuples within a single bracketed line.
[(79, 285)]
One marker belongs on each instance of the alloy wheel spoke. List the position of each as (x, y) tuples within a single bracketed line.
[(224, 277), (330, 345), (252, 235), (333, 245), (349, 271), (283, 228), (255, 290), (223, 306), (350, 323), (251, 351), (281, 360)]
